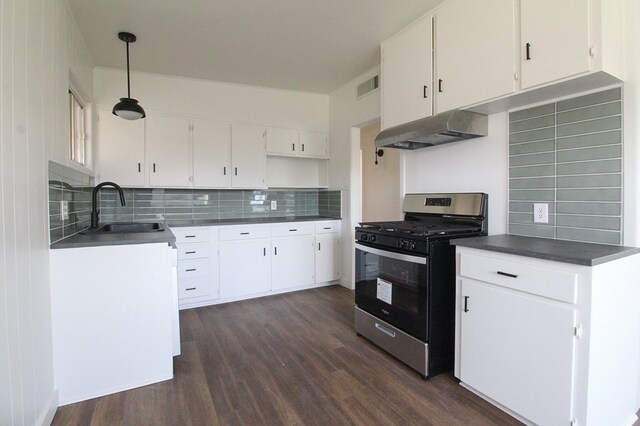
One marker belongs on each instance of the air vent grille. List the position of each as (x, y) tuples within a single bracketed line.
[(368, 86)]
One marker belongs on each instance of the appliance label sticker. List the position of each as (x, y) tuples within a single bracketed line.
[(384, 290)]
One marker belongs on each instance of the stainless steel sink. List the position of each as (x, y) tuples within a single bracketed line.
[(125, 228)]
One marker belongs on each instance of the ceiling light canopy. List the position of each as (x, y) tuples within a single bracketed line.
[(128, 108)]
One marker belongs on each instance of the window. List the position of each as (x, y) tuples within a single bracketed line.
[(77, 140)]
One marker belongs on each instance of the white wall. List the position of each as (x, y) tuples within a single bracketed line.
[(347, 115), (34, 70), (474, 165)]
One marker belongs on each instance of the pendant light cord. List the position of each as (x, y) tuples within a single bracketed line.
[(128, 80)]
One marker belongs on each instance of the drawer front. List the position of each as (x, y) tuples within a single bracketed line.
[(327, 227), (194, 251), (191, 235), (547, 282), (243, 232), (194, 268), (292, 228), (194, 287)]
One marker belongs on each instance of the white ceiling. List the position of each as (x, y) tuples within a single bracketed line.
[(308, 45)]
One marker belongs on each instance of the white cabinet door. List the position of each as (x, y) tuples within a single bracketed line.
[(554, 40), (314, 144), (282, 141), (518, 350), (169, 151), (121, 150), (211, 154), (327, 257), (407, 75), (474, 51), (248, 156), (292, 262), (244, 267)]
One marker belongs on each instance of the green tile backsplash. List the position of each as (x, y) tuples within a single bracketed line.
[(568, 154)]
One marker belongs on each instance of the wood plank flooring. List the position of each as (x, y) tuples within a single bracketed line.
[(291, 359)]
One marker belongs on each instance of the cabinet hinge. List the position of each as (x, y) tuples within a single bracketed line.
[(577, 331)]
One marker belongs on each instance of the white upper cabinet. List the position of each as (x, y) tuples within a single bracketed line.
[(211, 154), (314, 145), (554, 40), (248, 156), (407, 74), (122, 154), (474, 52), (169, 151), (282, 141)]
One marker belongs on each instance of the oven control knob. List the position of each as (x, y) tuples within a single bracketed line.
[(364, 237), (372, 238), (403, 243), (413, 245)]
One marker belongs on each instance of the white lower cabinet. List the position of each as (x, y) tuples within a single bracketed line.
[(327, 251), (551, 343), (292, 262), (244, 268)]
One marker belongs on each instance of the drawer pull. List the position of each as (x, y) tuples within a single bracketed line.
[(327, 227), (190, 270), (385, 330), (189, 236), (466, 302), (506, 274), (190, 252), (190, 288), (293, 230), (244, 233)]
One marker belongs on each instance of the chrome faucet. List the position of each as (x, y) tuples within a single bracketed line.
[(95, 213)]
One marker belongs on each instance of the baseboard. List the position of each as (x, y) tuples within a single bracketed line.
[(46, 416)]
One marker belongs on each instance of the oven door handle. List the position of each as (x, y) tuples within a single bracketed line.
[(393, 255)]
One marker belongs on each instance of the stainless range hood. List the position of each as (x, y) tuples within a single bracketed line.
[(445, 127)]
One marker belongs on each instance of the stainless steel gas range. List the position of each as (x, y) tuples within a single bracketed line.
[(405, 277)]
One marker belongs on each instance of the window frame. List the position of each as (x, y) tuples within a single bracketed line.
[(77, 117)]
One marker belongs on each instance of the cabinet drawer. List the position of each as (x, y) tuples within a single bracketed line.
[(547, 282), (193, 268), (327, 227), (244, 232), (292, 228), (194, 251), (194, 287), (191, 235)]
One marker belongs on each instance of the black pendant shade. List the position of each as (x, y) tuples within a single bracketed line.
[(128, 108)]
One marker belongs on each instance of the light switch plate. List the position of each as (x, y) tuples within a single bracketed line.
[(274, 205), (540, 213)]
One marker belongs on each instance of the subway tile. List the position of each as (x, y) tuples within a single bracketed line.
[(532, 171), (532, 230), (589, 208), (532, 159), (590, 99), (532, 147), (589, 195), (528, 218), (532, 123), (588, 235), (526, 207), (591, 126), (597, 153), (532, 112), (594, 139), (588, 113), (589, 167), (592, 222), (533, 135), (203, 216), (532, 183), (532, 195), (590, 181)]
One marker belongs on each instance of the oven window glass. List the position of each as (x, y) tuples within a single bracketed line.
[(394, 290)]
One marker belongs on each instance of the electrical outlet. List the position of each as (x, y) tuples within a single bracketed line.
[(541, 213), (274, 205)]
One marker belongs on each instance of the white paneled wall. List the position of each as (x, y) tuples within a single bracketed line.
[(34, 76)]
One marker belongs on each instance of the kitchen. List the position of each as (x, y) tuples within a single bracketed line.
[(31, 142)]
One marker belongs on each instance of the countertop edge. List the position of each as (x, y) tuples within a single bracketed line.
[(97, 240), (252, 221)]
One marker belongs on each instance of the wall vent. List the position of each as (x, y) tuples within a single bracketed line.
[(368, 86)]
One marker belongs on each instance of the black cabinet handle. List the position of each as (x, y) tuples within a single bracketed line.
[(190, 288), (424, 91), (244, 233), (224, 171), (190, 270), (293, 147), (189, 236), (236, 171), (466, 302), (293, 230), (275, 251), (302, 147), (440, 85), (190, 252), (318, 246), (264, 251), (506, 274), (139, 168), (528, 51), (154, 167)]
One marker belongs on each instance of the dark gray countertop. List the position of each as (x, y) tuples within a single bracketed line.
[(93, 240), (577, 253)]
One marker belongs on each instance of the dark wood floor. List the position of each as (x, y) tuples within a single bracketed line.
[(290, 359)]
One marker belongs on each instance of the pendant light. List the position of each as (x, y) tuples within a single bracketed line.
[(128, 107)]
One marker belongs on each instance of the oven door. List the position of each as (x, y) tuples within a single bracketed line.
[(393, 287)]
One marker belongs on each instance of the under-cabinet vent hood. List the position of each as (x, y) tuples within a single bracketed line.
[(445, 127)]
